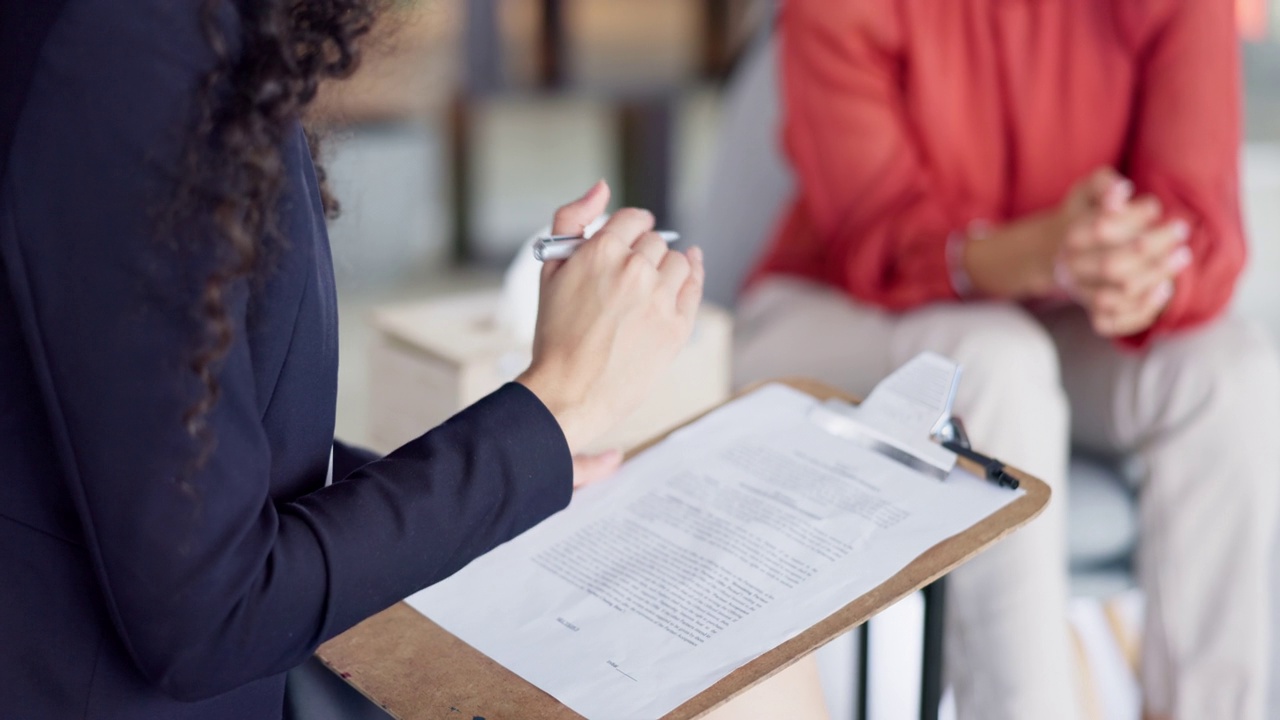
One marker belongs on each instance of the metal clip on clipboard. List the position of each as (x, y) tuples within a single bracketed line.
[(908, 417)]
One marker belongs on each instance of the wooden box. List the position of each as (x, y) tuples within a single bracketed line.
[(432, 358)]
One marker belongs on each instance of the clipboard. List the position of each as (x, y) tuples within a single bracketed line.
[(415, 670)]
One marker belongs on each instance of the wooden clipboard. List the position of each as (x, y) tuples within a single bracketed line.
[(415, 670)]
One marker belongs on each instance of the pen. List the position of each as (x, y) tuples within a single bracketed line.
[(560, 247), (994, 469)]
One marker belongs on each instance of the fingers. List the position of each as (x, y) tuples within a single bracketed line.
[(1106, 189), (588, 469), (1116, 195), (577, 215), (625, 227), (1117, 266), (1125, 288), (1137, 316), (1103, 190), (1138, 291), (683, 276), (1134, 304), (573, 219), (549, 268), (1124, 225), (1161, 271), (673, 271), (1164, 256), (652, 247), (689, 297)]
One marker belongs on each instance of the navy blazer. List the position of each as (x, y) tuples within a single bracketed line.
[(122, 594)]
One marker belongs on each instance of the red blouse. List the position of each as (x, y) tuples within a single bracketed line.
[(906, 120)]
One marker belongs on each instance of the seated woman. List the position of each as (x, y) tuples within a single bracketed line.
[(956, 194)]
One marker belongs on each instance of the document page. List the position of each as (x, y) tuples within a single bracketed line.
[(915, 398), (730, 537), (903, 413)]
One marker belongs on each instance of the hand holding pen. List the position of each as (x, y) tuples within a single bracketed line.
[(561, 247), (610, 319)]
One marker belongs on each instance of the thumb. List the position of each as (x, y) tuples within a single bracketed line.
[(574, 217), (1109, 190), (588, 469)]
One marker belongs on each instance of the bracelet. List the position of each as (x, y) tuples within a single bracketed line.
[(961, 283)]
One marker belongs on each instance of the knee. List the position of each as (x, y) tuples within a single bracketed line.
[(1005, 351), (1010, 388), (1220, 397), (1227, 374), (1010, 394)]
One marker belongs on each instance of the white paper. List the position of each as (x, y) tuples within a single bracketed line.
[(916, 398), (730, 537), (903, 413)]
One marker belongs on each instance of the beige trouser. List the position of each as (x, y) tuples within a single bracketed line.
[(1201, 410)]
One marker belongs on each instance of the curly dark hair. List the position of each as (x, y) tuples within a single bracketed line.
[(232, 168)]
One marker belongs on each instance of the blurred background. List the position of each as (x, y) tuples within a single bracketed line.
[(471, 120)]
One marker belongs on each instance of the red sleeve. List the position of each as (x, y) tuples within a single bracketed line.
[(1185, 150), (867, 193)]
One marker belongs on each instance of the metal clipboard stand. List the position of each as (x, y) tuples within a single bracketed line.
[(908, 417)]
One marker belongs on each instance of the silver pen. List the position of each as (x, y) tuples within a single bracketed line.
[(560, 247)]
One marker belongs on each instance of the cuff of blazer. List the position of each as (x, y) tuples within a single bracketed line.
[(426, 510)]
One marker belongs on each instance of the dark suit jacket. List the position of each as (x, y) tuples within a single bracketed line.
[(122, 594)]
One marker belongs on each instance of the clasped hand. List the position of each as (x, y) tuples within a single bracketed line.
[(1118, 256)]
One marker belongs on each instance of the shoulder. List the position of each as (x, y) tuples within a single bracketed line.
[(111, 88), (113, 60), (96, 145), (110, 100), (168, 30)]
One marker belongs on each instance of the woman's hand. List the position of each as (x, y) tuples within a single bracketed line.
[(588, 469), (1101, 247), (1125, 288), (611, 318), (1023, 258), (1119, 260)]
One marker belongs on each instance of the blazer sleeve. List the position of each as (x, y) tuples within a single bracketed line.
[(867, 190), (209, 582), (349, 458), (1186, 148)]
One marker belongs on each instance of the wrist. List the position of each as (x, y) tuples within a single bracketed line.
[(957, 268), (1015, 261), (563, 402), (1042, 263)]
